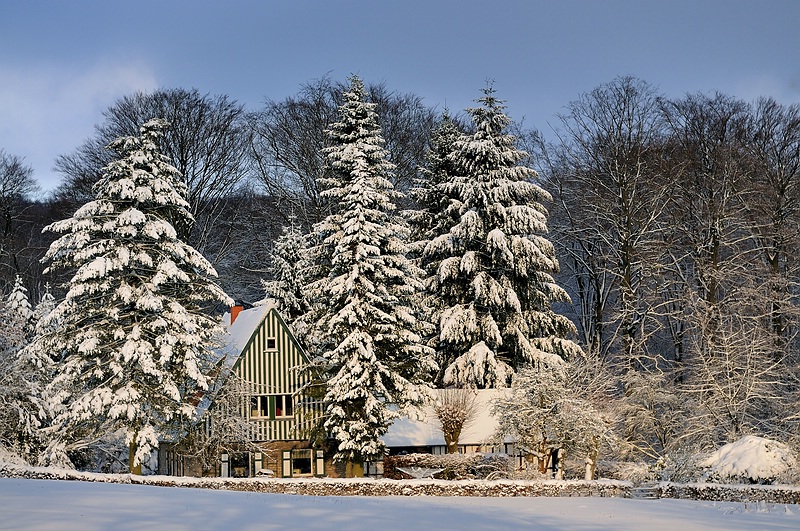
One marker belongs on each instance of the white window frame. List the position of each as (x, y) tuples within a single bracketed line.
[(268, 406), (283, 400), (261, 411)]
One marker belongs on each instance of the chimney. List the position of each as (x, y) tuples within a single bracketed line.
[(235, 312)]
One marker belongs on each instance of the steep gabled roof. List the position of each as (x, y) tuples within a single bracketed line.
[(230, 347)]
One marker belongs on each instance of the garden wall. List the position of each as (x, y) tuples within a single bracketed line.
[(426, 487)]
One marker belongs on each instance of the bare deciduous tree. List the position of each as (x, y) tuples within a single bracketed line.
[(708, 240), (456, 409), (206, 142), (609, 194), (16, 189), (289, 138), (774, 208), (222, 427)]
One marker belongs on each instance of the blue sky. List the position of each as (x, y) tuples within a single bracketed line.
[(63, 62)]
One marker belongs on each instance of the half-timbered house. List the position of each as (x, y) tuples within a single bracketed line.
[(262, 355)]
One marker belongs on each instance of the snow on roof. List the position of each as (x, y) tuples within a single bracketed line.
[(426, 431), (239, 333)]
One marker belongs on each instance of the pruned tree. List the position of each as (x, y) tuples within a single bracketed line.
[(133, 332), (456, 409)]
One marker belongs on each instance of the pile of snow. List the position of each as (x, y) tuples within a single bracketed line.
[(752, 459)]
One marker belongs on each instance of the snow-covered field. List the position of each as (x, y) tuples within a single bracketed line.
[(64, 505)]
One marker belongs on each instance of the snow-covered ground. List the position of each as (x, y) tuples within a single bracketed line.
[(64, 505)]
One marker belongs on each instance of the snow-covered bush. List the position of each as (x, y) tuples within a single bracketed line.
[(547, 410), (681, 465), (752, 459), (7, 456), (636, 472)]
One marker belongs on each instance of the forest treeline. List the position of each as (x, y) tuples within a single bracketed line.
[(676, 224)]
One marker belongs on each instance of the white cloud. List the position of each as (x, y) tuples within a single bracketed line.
[(49, 110)]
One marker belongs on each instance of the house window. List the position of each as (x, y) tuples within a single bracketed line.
[(240, 465), (271, 406), (301, 463), (259, 406), (272, 343), (283, 406)]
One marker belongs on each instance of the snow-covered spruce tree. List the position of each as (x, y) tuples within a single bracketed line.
[(43, 310), (133, 330), (365, 325), (288, 265), (21, 380), (19, 304), (494, 265), (436, 210), (435, 213), (23, 376)]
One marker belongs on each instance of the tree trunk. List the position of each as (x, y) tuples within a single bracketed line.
[(591, 462), (354, 468), (543, 460), (136, 470), (560, 454), (451, 441)]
